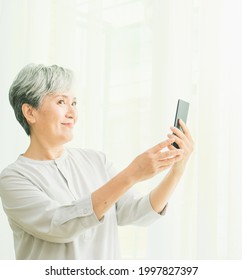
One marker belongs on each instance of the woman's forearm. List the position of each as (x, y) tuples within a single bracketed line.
[(108, 194), (160, 195)]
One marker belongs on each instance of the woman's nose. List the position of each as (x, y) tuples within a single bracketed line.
[(72, 112)]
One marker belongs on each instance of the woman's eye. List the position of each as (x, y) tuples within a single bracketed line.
[(61, 102)]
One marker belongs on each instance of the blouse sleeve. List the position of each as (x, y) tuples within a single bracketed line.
[(136, 211), (36, 213)]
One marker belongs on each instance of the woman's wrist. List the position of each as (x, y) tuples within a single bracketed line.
[(129, 175), (178, 168)]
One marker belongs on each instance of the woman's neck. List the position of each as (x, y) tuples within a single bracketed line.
[(40, 151)]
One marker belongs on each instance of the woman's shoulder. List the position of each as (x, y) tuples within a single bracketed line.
[(87, 154), (92, 158), (10, 168)]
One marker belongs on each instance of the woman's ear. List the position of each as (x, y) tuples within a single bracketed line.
[(28, 112)]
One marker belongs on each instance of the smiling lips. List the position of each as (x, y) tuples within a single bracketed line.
[(70, 125)]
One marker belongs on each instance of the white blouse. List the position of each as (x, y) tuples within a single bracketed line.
[(49, 207)]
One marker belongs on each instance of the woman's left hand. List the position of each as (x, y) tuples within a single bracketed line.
[(184, 141)]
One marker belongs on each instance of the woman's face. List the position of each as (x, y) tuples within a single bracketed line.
[(55, 118)]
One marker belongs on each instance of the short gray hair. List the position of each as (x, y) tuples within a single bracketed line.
[(33, 83)]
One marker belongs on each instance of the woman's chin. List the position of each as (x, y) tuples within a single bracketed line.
[(66, 138)]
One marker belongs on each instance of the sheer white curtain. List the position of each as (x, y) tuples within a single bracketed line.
[(133, 60), (201, 43)]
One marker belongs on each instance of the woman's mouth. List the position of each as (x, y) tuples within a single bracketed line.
[(69, 125)]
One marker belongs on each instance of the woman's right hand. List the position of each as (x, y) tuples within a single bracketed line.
[(153, 161)]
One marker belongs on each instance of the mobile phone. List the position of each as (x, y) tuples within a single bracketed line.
[(181, 113)]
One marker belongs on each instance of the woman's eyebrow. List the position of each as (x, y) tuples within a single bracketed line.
[(64, 96), (60, 95)]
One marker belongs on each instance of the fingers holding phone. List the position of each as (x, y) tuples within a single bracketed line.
[(183, 139), (181, 114), (180, 132)]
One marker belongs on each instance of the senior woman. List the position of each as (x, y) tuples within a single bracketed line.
[(66, 203)]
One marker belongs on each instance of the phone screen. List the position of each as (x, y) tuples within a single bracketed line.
[(181, 113)]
